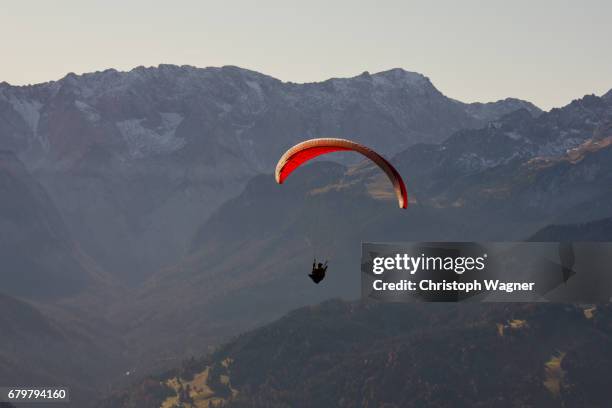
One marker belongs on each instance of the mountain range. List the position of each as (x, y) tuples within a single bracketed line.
[(136, 161), (247, 264), (141, 223)]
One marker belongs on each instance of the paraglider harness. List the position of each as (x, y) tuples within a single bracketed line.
[(318, 271)]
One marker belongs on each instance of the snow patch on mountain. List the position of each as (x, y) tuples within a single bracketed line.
[(90, 113), (29, 111), (256, 88), (143, 141), (393, 77), (560, 146), (513, 135)]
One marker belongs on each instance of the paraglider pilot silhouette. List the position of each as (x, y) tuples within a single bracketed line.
[(318, 271), (310, 149)]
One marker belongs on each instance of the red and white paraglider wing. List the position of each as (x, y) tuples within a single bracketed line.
[(310, 149)]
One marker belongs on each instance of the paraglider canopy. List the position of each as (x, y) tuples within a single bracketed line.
[(310, 149)]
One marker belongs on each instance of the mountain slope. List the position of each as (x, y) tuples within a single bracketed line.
[(561, 136), (36, 349), (35, 246), (401, 355), (60, 335), (600, 230)]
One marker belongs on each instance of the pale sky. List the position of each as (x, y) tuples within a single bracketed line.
[(548, 52)]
